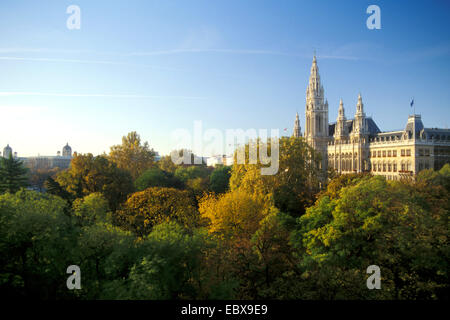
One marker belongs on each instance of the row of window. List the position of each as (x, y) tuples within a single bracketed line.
[(392, 153), (424, 152), (392, 167), (388, 167)]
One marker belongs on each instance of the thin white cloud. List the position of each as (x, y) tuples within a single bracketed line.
[(86, 61), (43, 50), (93, 95), (157, 53), (231, 51), (239, 51)]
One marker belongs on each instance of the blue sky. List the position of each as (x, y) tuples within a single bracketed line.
[(155, 66)]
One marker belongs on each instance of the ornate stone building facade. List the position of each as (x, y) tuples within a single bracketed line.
[(358, 145), (44, 162)]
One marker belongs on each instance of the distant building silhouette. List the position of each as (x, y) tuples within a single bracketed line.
[(44, 162)]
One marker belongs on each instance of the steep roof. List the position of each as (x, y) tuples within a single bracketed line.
[(371, 126)]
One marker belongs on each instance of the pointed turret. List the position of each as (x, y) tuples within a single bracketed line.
[(360, 106), (359, 122), (297, 129), (341, 111), (341, 127)]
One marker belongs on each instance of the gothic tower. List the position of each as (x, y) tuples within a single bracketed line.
[(359, 138), (297, 129), (316, 132)]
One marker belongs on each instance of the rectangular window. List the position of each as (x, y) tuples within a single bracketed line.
[(389, 167), (421, 153), (403, 152), (395, 167), (408, 152), (384, 167), (384, 154), (394, 153), (389, 153), (379, 154), (374, 154)]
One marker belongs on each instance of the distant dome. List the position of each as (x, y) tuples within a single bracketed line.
[(67, 151), (7, 151)]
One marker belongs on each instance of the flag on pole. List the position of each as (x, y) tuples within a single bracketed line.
[(412, 102)]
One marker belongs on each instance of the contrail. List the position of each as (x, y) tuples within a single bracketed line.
[(99, 95)]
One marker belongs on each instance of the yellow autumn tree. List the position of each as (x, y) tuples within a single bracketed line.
[(235, 214), (132, 155), (292, 189)]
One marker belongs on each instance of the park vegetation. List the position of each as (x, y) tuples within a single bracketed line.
[(145, 229)]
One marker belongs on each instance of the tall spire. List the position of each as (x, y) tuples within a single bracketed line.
[(359, 124), (359, 106), (297, 129), (341, 111), (315, 89), (341, 127)]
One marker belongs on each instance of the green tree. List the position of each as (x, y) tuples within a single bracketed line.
[(105, 255), (166, 164), (195, 177), (92, 209), (220, 179), (390, 224), (173, 267), (89, 174), (13, 175), (36, 246), (54, 188), (155, 177), (133, 155)]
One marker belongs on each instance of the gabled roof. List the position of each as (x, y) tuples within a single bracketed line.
[(371, 125)]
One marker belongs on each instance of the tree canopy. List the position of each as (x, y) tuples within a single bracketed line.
[(88, 174), (133, 155), (13, 175), (145, 209)]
